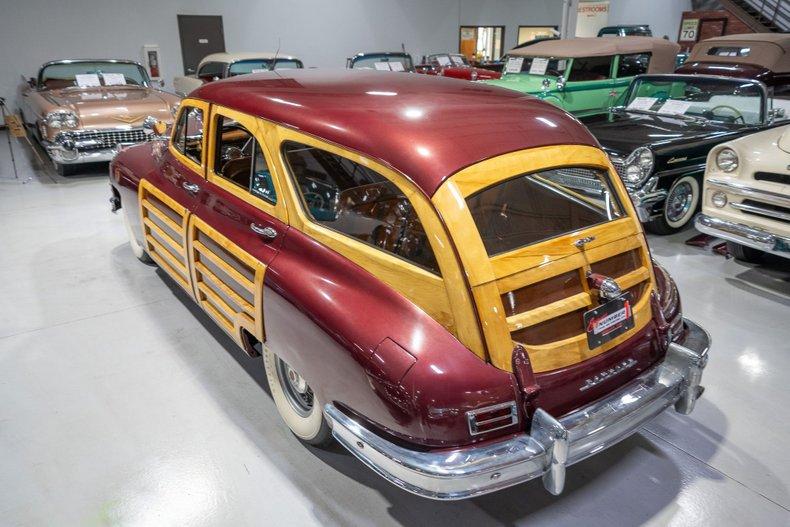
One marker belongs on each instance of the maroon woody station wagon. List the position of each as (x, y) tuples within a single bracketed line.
[(463, 299)]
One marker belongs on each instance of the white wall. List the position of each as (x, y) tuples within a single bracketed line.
[(662, 15), (321, 32)]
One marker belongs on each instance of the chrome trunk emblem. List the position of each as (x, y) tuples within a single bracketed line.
[(598, 378)]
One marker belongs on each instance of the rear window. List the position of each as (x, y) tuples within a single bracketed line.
[(729, 51), (534, 207)]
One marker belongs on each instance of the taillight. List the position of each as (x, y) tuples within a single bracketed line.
[(492, 418)]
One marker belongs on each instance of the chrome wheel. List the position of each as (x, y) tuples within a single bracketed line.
[(295, 388), (679, 201)]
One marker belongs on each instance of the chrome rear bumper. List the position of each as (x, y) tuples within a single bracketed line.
[(743, 235), (552, 444)]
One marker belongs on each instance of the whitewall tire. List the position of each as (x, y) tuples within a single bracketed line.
[(682, 202), (137, 248), (299, 407)]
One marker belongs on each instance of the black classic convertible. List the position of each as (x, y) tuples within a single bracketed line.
[(659, 137)]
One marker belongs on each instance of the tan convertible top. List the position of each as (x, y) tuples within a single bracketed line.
[(663, 60), (769, 50)]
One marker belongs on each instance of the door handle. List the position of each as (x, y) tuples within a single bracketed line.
[(267, 232), (192, 188)]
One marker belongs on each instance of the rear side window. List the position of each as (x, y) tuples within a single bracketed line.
[(590, 69), (188, 138), (730, 51), (634, 64), (358, 202), (211, 70), (531, 208)]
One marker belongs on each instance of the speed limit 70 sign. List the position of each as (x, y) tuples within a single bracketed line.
[(689, 29)]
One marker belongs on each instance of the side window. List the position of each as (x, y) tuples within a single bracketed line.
[(590, 69), (356, 201), (240, 160), (634, 64), (211, 69), (188, 138)]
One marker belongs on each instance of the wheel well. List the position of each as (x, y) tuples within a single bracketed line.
[(252, 346)]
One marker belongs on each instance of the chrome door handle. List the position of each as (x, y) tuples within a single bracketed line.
[(192, 188), (266, 232)]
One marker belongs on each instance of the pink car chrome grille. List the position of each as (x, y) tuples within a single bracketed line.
[(96, 139)]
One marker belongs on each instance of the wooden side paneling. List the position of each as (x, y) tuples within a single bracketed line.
[(167, 250), (225, 295)]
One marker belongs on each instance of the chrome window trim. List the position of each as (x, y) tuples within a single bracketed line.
[(763, 88), (147, 83)]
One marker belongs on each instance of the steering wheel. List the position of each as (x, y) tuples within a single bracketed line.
[(738, 114)]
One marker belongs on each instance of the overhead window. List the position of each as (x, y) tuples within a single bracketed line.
[(358, 202)]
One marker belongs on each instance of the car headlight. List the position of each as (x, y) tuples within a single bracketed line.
[(62, 119), (719, 199), (639, 165), (727, 160)]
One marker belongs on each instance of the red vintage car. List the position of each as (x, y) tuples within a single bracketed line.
[(464, 301), (454, 65)]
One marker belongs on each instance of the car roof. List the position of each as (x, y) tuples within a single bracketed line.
[(663, 51), (426, 127), (245, 55), (769, 50)]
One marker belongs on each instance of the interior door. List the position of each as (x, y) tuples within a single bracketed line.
[(200, 36), (167, 196), (238, 228)]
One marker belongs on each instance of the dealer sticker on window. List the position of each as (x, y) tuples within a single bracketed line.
[(609, 320)]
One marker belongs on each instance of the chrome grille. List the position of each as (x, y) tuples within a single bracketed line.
[(578, 178), (96, 139), (619, 165)]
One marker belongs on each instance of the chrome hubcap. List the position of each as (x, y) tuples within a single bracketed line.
[(295, 388), (679, 201)]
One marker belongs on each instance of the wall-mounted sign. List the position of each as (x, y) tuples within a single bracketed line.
[(689, 30), (590, 17)]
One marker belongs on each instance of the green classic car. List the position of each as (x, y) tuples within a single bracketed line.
[(582, 75)]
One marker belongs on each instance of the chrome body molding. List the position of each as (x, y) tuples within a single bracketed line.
[(741, 189), (552, 443), (744, 235), (761, 211)]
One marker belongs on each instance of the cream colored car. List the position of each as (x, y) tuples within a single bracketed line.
[(223, 65), (746, 195)]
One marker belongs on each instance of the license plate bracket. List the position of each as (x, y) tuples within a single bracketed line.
[(609, 320)]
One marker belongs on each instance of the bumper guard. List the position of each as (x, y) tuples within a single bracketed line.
[(552, 444), (744, 235)]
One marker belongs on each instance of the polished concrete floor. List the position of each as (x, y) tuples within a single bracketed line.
[(122, 404)]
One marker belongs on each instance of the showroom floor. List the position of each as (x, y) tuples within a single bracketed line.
[(122, 404)]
